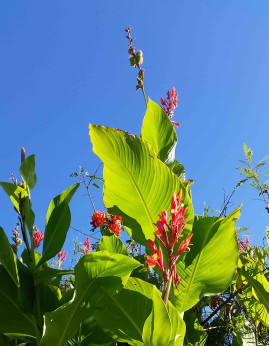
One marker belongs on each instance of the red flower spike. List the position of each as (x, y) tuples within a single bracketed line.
[(170, 104), (152, 246), (115, 224), (98, 219), (184, 245), (61, 257), (87, 246), (157, 258), (175, 227), (38, 237)]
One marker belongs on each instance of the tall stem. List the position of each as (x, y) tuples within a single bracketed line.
[(143, 90), (167, 290)]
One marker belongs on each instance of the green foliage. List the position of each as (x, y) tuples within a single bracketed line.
[(129, 165), (210, 265)]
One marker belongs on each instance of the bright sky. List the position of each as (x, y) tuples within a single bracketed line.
[(64, 64)]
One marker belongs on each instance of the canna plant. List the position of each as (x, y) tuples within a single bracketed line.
[(115, 297)]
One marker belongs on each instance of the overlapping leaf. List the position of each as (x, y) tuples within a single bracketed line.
[(158, 130), (138, 186), (96, 272), (211, 263)]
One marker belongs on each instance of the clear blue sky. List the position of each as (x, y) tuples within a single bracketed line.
[(64, 64)]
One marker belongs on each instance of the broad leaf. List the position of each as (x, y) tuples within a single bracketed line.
[(95, 272), (27, 171), (157, 328), (7, 257), (158, 130), (112, 244), (66, 195), (12, 319), (211, 263), (56, 230), (123, 316), (178, 326), (138, 186)]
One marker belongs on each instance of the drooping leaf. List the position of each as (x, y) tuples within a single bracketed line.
[(157, 328), (211, 263), (95, 272), (158, 130), (123, 316), (27, 171), (66, 195), (179, 171), (12, 319), (50, 273), (195, 333), (112, 244), (260, 287), (7, 257), (15, 193), (138, 186), (55, 232)]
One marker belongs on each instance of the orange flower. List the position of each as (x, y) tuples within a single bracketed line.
[(98, 219), (115, 224)]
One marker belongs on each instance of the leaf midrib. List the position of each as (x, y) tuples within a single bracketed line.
[(133, 181)]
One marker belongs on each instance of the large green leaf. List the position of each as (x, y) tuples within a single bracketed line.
[(157, 328), (112, 244), (178, 326), (56, 230), (27, 171), (211, 263), (7, 257), (95, 272), (123, 316), (138, 186), (12, 319), (66, 195), (158, 130)]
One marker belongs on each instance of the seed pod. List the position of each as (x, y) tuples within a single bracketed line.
[(133, 61), (131, 51), (139, 57), (19, 242)]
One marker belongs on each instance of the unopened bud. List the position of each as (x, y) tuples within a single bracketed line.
[(16, 233), (22, 154)]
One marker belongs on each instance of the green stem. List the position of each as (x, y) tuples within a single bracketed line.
[(143, 90), (167, 290)]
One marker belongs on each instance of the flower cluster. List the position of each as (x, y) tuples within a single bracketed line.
[(243, 245), (38, 237), (170, 104), (114, 222), (61, 257), (87, 246), (168, 235)]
